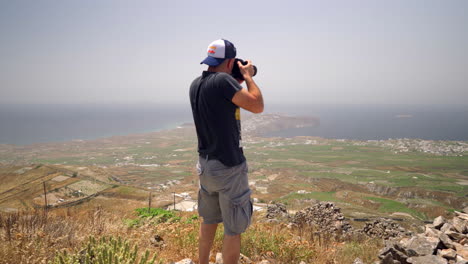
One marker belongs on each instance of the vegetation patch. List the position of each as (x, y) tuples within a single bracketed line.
[(106, 250), (153, 215), (391, 206)]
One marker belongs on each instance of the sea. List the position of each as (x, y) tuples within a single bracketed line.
[(23, 124)]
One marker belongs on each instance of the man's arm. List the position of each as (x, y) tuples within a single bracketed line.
[(250, 99)]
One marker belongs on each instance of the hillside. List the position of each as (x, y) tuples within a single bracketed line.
[(407, 180)]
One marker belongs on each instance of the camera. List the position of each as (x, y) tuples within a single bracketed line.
[(236, 71)]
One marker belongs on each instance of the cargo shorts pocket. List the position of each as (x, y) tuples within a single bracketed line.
[(208, 207), (199, 168), (240, 217)]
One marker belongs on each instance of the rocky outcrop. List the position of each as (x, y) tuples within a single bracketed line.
[(276, 211), (323, 216), (384, 228), (443, 241)]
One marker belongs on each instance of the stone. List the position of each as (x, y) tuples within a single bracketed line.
[(464, 241), (465, 210), (244, 259), (463, 253), (447, 227), (459, 225), (439, 222), (358, 261), (219, 258), (446, 241), (461, 260), (431, 231), (463, 216), (455, 236), (430, 259), (276, 210), (324, 216), (384, 228), (461, 250), (157, 241), (185, 261), (447, 253), (387, 259), (420, 245), (264, 262), (405, 241)]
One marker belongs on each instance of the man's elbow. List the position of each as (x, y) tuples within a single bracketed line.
[(258, 109)]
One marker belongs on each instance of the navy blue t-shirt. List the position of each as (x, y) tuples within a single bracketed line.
[(217, 119)]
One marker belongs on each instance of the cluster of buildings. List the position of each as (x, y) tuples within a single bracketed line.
[(441, 148)]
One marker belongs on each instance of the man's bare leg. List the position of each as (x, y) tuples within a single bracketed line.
[(207, 234), (231, 249)]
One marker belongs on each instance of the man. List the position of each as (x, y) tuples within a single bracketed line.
[(224, 194)]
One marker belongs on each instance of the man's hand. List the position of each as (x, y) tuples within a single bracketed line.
[(247, 70), (250, 99)]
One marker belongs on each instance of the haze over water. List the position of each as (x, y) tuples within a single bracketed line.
[(26, 124)]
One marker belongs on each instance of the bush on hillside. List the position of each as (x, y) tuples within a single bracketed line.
[(106, 250)]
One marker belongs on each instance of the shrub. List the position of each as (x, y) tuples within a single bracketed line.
[(106, 250), (159, 214)]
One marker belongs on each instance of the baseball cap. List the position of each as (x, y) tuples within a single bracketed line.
[(218, 51)]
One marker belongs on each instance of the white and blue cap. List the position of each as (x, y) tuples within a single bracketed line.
[(218, 51)]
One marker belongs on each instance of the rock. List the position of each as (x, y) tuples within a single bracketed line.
[(459, 225), (358, 261), (393, 253), (463, 216), (447, 227), (157, 241), (465, 210), (420, 245), (324, 216), (464, 241), (264, 262), (447, 245), (463, 252), (431, 231), (461, 260), (276, 210), (447, 253), (405, 241), (302, 262), (219, 258), (244, 259), (439, 222), (446, 241), (455, 236), (387, 259), (431, 259), (185, 261), (384, 228)]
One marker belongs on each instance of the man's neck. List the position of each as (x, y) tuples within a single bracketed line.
[(217, 69)]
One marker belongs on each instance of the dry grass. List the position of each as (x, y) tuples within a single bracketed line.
[(34, 237)]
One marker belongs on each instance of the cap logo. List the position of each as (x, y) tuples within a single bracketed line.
[(212, 49)]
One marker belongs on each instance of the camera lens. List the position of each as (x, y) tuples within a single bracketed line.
[(236, 71)]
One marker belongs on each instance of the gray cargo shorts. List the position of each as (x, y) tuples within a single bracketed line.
[(224, 195)]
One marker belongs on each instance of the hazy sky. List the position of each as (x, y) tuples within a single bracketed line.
[(373, 52)]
